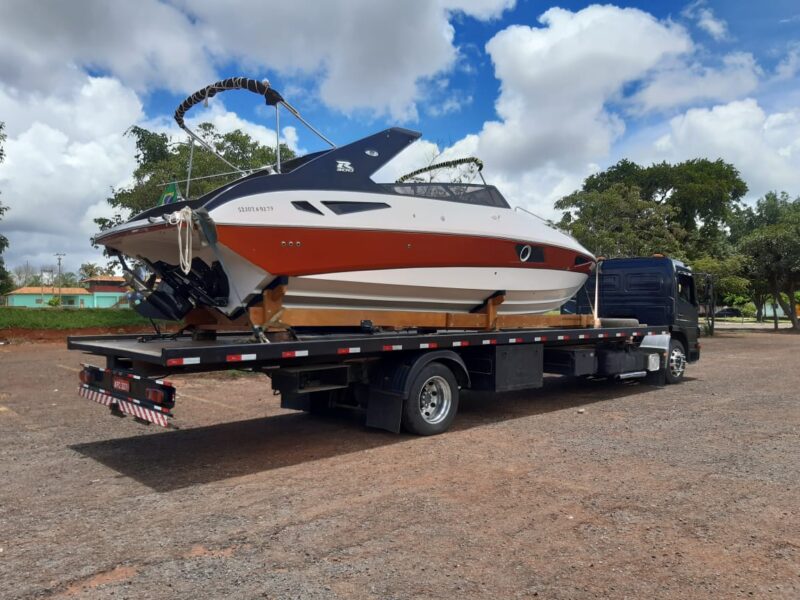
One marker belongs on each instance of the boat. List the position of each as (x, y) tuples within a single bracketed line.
[(320, 229)]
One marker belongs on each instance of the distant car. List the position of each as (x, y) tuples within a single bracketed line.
[(728, 312)]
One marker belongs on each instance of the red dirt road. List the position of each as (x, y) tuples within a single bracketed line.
[(691, 491)]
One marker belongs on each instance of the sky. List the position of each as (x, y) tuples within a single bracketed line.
[(545, 93)]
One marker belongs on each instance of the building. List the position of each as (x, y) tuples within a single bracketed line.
[(38, 297), (100, 292), (108, 291)]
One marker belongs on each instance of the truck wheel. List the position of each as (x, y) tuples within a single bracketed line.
[(432, 403), (676, 362)]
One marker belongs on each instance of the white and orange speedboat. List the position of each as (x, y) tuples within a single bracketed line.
[(321, 226)]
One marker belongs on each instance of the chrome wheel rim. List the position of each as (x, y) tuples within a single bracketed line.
[(677, 362), (434, 400)]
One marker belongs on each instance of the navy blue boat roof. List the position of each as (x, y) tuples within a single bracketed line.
[(348, 167)]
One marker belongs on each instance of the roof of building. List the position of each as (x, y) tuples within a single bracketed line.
[(114, 278), (65, 291)]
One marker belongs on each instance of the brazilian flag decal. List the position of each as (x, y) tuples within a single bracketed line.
[(170, 195)]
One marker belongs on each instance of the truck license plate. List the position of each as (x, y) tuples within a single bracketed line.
[(122, 384)]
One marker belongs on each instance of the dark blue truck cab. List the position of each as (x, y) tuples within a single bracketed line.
[(654, 290)]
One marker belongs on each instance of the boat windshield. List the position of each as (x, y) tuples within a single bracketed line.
[(464, 193)]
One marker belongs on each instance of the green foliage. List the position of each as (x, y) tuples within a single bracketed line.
[(728, 274), (773, 249), (68, 279), (6, 280), (617, 221), (54, 301), (90, 269), (703, 196), (748, 310), (160, 162), (66, 318)]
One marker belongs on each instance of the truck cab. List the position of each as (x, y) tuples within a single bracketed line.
[(654, 290)]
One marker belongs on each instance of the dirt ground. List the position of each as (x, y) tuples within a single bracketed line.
[(691, 491)]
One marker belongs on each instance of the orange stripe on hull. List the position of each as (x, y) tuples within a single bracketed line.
[(296, 251)]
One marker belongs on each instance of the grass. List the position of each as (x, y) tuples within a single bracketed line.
[(61, 318)]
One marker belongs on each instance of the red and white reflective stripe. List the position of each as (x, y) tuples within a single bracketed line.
[(635, 333), (239, 357), (491, 342), (294, 353), (428, 345), (460, 344), (99, 397), (582, 336), (514, 340), (542, 338), (142, 412), (189, 360), (353, 350), (620, 334), (391, 347), (563, 337), (602, 335)]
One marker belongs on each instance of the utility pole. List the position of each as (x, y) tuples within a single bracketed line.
[(59, 256)]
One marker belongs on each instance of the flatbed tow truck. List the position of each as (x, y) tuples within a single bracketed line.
[(412, 379)]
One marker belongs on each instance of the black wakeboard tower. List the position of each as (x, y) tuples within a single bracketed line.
[(271, 97)]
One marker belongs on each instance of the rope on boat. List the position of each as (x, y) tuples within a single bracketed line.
[(183, 219)]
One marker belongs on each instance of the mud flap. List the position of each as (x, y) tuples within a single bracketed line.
[(385, 410)]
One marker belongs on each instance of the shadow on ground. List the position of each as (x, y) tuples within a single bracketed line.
[(182, 458)]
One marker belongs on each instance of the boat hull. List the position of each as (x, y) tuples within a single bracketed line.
[(441, 289), (410, 254)]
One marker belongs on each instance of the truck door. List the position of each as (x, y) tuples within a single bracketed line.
[(686, 313)]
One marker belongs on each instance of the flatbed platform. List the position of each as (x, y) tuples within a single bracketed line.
[(236, 350)]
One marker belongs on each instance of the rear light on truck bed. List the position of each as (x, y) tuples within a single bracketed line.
[(155, 396)]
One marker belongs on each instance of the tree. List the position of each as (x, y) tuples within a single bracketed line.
[(68, 279), (6, 281), (773, 248), (617, 221), (731, 286), (24, 274), (704, 196), (90, 270), (160, 162)]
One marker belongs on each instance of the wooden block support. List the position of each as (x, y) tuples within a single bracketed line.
[(328, 317)]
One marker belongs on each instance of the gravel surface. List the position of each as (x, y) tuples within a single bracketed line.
[(691, 491)]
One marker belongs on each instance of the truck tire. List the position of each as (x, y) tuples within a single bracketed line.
[(432, 402), (676, 362)]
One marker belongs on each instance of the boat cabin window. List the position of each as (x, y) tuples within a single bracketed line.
[(465, 193), (306, 206), (346, 208)]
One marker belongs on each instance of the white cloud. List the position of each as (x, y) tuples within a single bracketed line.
[(557, 80), (63, 156), (789, 67), (706, 20), (764, 147), (680, 83), (365, 54), (479, 9), (47, 45)]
